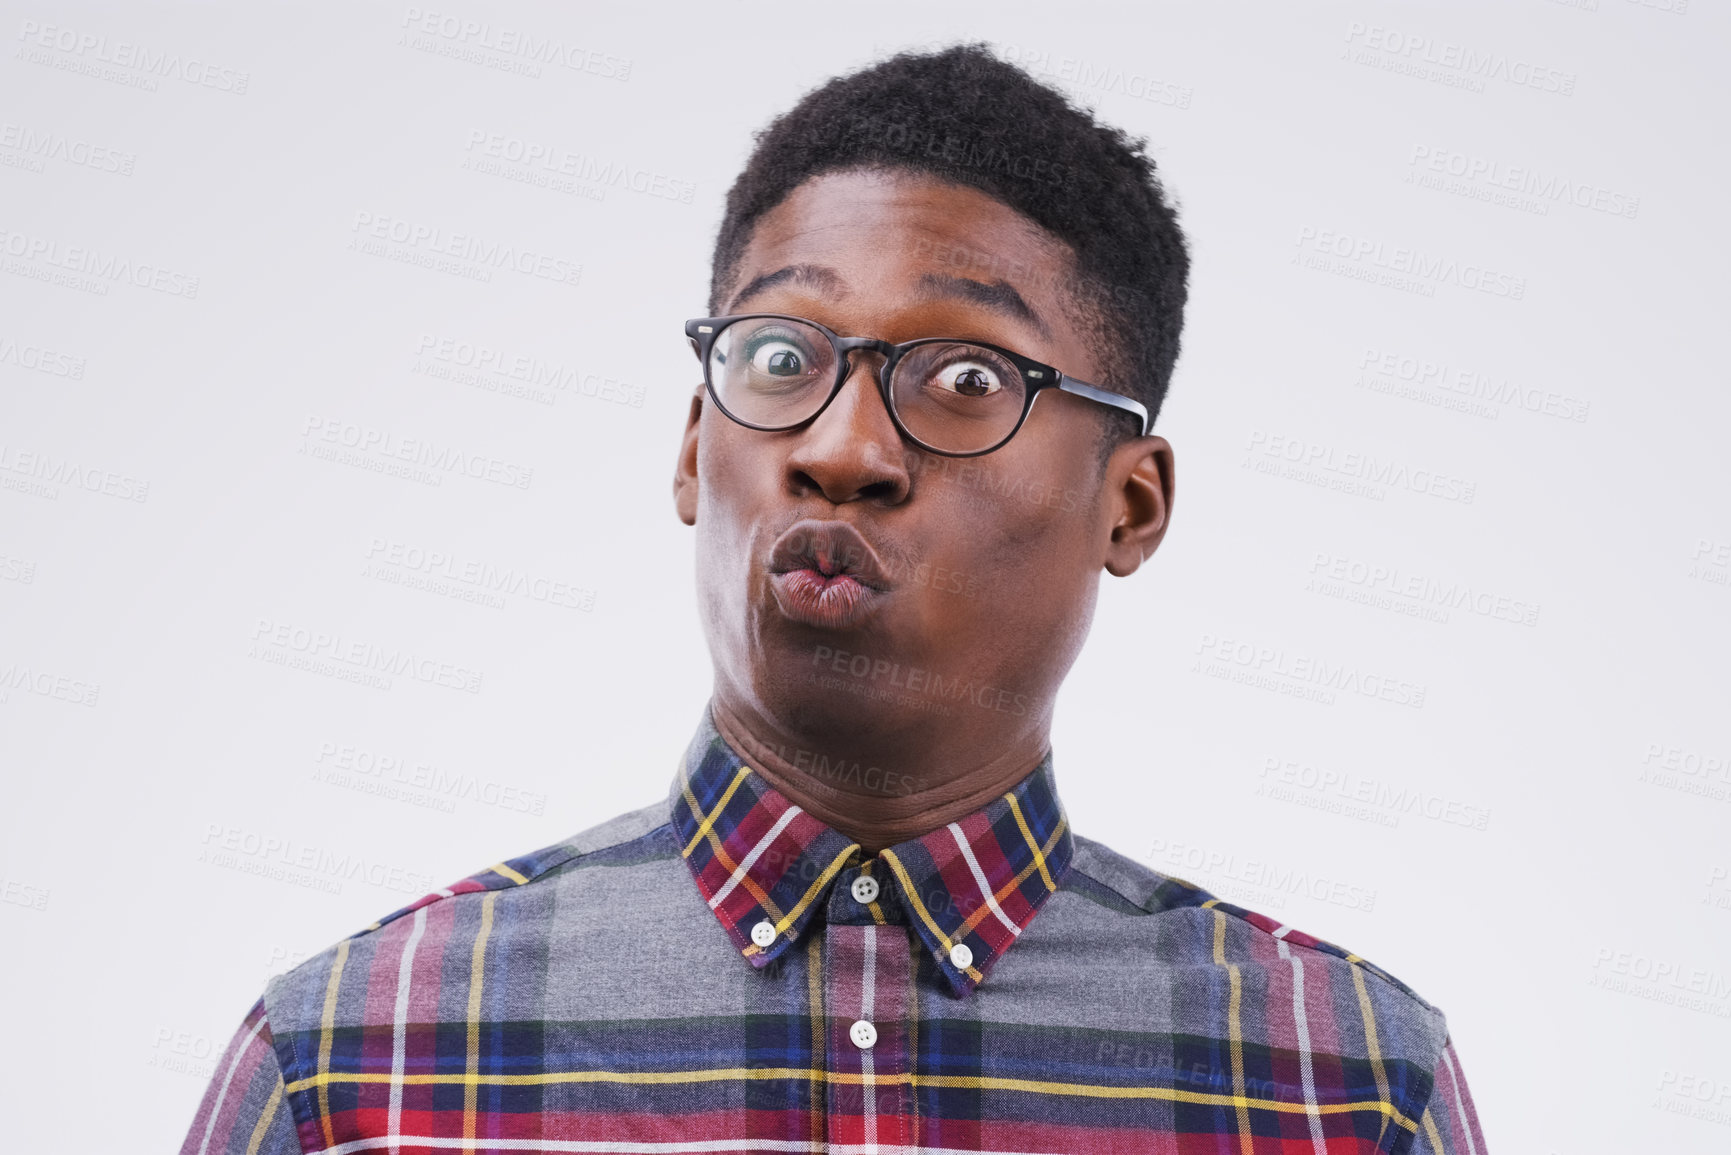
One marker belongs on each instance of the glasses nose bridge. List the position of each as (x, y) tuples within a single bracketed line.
[(846, 347)]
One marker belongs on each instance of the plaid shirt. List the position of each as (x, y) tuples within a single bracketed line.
[(584, 998)]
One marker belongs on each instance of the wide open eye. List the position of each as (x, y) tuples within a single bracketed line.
[(771, 371), (771, 354), (777, 357), (967, 378)]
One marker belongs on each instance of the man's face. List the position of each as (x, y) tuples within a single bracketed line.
[(992, 563)]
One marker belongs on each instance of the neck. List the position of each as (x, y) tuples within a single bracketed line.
[(879, 788)]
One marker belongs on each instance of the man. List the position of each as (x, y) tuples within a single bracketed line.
[(944, 310)]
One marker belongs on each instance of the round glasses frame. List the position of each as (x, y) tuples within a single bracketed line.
[(1036, 377)]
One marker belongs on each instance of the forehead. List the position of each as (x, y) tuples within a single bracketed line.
[(880, 231)]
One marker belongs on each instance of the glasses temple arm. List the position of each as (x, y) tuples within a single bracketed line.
[(1106, 397)]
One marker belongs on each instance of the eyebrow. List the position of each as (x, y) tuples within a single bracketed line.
[(998, 296), (820, 277)]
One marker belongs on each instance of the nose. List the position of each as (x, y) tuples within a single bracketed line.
[(852, 451)]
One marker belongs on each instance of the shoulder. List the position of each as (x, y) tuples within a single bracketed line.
[(1136, 891), (539, 867), (513, 898), (1226, 972)]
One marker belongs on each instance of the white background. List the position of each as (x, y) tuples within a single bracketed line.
[(1539, 845)]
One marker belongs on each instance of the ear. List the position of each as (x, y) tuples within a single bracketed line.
[(685, 468), (1138, 499)]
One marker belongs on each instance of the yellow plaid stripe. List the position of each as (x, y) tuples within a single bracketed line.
[(1028, 837), (707, 821), (706, 830), (1431, 1134), (1234, 1030), (477, 959), (327, 1026), (805, 900), (1041, 854), (265, 1116), (814, 1010), (912, 894), (911, 1079), (1371, 1046), (500, 868)]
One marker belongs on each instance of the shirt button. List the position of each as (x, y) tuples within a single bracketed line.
[(863, 1034), (763, 933), (865, 889), (961, 957)]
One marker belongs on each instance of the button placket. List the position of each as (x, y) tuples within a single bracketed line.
[(868, 984)]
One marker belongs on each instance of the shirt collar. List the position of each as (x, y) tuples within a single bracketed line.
[(758, 857)]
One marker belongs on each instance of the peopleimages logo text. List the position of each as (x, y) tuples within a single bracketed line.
[(1470, 62), (105, 266), (124, 54), (1362, 467), (516, 42), (466, 247), (364, 655), (1411, 262), (417, 451)]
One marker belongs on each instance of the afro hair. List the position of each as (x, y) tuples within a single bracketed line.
[(965, 116)]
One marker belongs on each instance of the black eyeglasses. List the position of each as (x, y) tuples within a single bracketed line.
[(773, 372)]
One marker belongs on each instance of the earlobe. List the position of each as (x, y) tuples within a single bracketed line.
[(685, 466), (1143, 508)]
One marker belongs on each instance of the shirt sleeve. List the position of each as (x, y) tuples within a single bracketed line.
[(1450, 1124), (243, 1112)]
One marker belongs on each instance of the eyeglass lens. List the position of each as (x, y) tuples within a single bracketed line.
[(953, 396)]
